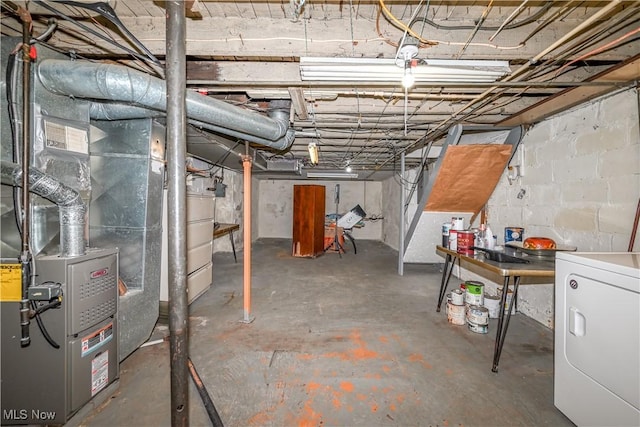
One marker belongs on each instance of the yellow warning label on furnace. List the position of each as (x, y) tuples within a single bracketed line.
[(10, 282)]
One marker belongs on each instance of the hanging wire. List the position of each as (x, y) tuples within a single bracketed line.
[(483, 17), (353, 44), (512, 26)]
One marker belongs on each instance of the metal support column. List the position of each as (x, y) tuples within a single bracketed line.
[(402, 217), (177, 221), (246, 206)]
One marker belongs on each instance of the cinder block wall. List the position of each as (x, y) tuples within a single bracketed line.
[(275, 206), (581, 185)]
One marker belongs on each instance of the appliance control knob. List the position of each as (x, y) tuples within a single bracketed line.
[(573, 284)]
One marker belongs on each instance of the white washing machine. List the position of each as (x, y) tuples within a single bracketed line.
[(597, 338)]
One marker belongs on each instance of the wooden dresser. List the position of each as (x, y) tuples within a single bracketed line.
[(308, 220)]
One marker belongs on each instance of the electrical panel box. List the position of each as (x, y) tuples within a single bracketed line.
[(47, 382)]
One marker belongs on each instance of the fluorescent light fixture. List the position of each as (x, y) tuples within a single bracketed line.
[(313, 153), (332, 175), (386, 70)]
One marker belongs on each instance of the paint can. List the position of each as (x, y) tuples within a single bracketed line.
[(453, 240), (455, 314), (478, 329), (457, 223), (508, 301), (474, 292), (465, 242), (478, 315), (446, 227), (492, 303), (457, 297), (478, 319), (513, 234)]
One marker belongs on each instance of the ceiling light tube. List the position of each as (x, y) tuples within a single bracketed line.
[(386, 70), (332, 175)]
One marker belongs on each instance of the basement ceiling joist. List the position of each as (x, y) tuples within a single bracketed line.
[(247, 53)]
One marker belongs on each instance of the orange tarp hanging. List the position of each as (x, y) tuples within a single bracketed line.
[(467, 177)]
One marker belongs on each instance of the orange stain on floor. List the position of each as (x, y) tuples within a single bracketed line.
[(360, 352), (336, 403), (309, 417), (312, 386), (306, 356), (419, 358), (337, 398), (259, 419), (383, 339), (346, 386)]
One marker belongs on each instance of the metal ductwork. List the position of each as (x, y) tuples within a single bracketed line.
[(72, 207), (121, 84), (278, 110)]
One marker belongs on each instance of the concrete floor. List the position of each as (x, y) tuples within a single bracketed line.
[(339, 342)]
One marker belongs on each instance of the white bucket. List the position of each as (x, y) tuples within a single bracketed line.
[(509, 298), (492, 303), (455, 314)]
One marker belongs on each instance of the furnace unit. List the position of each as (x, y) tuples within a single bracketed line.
[(42, 384)]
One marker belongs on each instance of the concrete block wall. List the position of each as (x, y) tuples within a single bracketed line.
[(275, 207), (391, 194), (391, 191), (229, 209), (580, 186)]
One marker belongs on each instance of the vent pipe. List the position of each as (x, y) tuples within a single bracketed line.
[(109, 82), (72, 207), (278, 110)]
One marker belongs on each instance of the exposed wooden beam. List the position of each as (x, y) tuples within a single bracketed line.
[(240, 37), (627, 71)]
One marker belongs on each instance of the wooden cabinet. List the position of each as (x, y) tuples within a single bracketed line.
[(308, 220)]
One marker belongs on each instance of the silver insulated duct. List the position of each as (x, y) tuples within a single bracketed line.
[(110, 82), (72, 207)]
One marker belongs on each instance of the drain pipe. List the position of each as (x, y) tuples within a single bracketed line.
[(72, 207), (109, 82), (177, 200)]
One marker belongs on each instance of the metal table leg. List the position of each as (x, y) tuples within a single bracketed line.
[(353, 241), (446, 275), (503, 323), (233, 246)]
